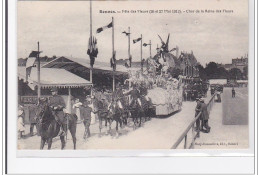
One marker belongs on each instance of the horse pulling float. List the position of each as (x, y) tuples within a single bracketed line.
[(163, 92)]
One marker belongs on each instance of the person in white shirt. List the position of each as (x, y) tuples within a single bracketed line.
[(76, 106)]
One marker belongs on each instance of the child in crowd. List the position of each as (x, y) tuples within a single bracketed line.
[(20, 123)]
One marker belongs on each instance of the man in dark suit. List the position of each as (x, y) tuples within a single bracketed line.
[(85, 112), (197, 111), (204, 117), (233, 93)]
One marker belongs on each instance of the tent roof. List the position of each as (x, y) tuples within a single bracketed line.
[(83, 64), (52, 77)]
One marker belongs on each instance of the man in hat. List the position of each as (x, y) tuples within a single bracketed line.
[(85, 113), (204, 117), (197, 111), (57, 104), (134, 94)]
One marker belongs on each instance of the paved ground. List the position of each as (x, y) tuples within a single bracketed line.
[(158, 133), (226, 136), (235, 110)]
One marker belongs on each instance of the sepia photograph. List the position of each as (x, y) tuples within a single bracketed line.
[(133, 75)]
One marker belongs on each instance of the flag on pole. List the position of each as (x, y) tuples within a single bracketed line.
[(30, 63), (145, 44), (173, 49), (105, 27), (92, 49), (126, 33), (113, 61), (136, 40)]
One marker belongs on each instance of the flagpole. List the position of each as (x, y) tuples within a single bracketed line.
[(38, 72), (128, 42), (113, 50), (150, 49), (141, 52), (91, 67)]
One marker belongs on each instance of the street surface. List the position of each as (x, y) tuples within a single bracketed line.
[(231, 132), (158, 133)]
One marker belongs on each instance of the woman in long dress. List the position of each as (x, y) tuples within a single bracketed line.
[(20, 123)]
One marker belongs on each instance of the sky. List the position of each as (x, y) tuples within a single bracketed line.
[(63, 28)]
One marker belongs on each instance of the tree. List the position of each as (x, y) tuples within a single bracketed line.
[(222, 73), (211, 70), (235, 74), (245, 72), (202, 72)]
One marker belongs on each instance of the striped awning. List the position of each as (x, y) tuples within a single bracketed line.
[(53, 77)]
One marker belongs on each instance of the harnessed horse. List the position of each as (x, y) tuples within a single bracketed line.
[(49, 128), (115, 113), (102, 112)]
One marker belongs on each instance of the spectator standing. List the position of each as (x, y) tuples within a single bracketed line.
[(32, 117), (20, 123), (76, 108), (204, 117), (233, 93), (197, 111)]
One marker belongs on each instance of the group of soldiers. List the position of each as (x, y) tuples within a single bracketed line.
[(57, 105)]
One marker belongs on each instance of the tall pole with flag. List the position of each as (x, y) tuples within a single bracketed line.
[(92, 46), (113, 53), (38, 72), (129, 54), (141, 52), (91, 66), (150, 49)]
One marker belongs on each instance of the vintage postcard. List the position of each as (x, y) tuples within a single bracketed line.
[(133, 75)]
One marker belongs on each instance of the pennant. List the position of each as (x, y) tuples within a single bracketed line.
[(105, 27), (145, 44), (92, 49), (136, 40), (30, 63), (173, 49), (126, 33)]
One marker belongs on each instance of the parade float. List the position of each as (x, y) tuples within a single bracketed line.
[(164, 92)]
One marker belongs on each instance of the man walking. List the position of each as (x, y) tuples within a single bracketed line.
[(233, 93), (204, 117), (85, 113)]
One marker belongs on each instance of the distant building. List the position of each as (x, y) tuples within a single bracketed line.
[(22, 62), (238, 63)]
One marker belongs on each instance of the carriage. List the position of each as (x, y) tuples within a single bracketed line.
[(166, 101)]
